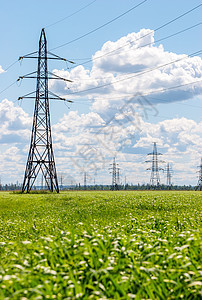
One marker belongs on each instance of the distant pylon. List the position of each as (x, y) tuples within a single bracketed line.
[(61, 181), (155, 177), (85, 180), (199, 185), (118, 176), (41, 157), (168, 175), (115, 175)]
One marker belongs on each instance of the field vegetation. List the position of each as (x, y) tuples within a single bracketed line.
[(100, 245)]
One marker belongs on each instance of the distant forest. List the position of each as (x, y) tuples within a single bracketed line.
[(138, 187)]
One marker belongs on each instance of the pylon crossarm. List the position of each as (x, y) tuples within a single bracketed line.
[(56, 57), (58, 77), (60, 58), (50, 98), (35, 77), (27, 96), (27, 75), (27, 55), (59, 98)]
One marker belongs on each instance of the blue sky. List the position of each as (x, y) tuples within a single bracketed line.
[(21, 23)]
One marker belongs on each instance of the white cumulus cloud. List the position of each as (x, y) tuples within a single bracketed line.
[(15, 123), (117, 123), (87, 142), (131, 66), (1, 69)]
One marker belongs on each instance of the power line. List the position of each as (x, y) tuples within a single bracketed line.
[(135, 75), (159, 116), (163, 100), (74, 13), (137, 48), (170, 88), (96, 29), (155, 30), (10, 65), (159, 99), (86, 34), (148, 44), (158, 28), (174, 34), (177, 18), (8, 87), (161, 90)]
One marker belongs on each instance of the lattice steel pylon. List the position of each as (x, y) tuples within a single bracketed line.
[(84, 180), (199, 185), (115, 175), (155, 177), (168, 175), (41, 156)]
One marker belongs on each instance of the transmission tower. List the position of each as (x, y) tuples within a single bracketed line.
[(115, 175), (85, 180), (155, 177), (199, 185), (118, 176), (168, 175), (61, 181), (41, 157)]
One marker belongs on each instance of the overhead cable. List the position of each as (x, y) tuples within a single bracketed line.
[(137, 74), (74, 13), (96, 29)]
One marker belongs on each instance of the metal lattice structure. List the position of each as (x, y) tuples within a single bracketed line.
[(155, 177), (168, 175), (84, 180), (41, 157), (115, 175), (199, 185)]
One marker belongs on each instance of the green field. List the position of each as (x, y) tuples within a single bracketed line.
[(100, 245)]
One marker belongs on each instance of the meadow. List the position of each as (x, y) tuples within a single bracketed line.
[(100, 245)]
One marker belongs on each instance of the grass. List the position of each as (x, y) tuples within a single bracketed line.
[(100, 245)]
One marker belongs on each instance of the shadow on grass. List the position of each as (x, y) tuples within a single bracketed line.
[(35, 192)]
